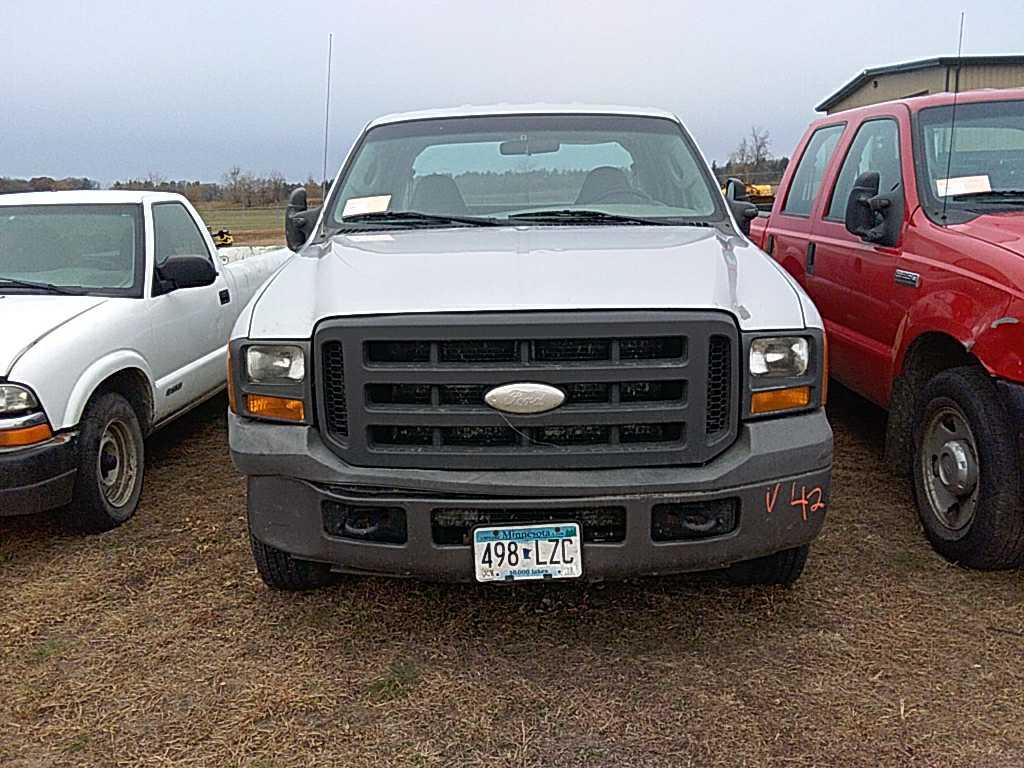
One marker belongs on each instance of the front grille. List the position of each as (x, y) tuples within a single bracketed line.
[(641, 389), (453, 527)]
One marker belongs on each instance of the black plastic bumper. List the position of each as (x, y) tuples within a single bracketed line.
[(38, 478), (778, 471)]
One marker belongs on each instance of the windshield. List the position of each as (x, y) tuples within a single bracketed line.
[(986, 166), (491, 168), (93, 249)]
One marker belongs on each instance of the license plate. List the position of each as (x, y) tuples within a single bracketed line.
[(524, 552)]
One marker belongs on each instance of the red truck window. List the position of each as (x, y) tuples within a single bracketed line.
[(803, 189), (876, 147)]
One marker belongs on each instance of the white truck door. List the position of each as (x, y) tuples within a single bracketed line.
[(187, 324)]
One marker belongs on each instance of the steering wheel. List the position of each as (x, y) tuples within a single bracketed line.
[(611, 193)]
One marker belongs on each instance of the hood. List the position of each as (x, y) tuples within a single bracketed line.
[(1002, 229), (527, 268), (26, 318)]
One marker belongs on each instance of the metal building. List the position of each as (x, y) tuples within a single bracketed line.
[(919, 78)]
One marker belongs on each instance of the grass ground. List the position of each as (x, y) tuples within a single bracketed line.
[(157, 645), (249, 226)]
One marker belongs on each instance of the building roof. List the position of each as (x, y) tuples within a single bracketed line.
[(909, 66), (522, 109), (87, 196)]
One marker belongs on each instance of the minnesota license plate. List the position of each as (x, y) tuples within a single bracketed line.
[(524, 552)]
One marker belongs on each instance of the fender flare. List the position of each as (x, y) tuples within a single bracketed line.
[(98, 372)]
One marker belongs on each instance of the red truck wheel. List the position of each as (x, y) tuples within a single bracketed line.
[(967, 480)]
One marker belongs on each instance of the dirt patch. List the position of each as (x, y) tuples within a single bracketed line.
[(157, 645)]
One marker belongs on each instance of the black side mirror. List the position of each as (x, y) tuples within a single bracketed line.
[(744, 211), (187, 272), (874, 217), (299, 219)]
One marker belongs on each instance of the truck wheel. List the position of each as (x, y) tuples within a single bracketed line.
[(111, 462), (279, 570), (781, 569), (967, 481)]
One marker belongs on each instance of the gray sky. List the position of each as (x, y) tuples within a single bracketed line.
[(184, 88)]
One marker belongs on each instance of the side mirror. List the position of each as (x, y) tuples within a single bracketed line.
[(860, 217), (187, 271), (299, 219), (744, 212)]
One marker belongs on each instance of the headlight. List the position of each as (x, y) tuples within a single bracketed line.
[(779, 356), (274, 364), (16, 400)]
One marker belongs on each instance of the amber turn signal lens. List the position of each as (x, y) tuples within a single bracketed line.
[(824, 369), (16, 438), (267, 407), (780, 400)]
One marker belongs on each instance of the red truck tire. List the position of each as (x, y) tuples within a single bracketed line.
[(967, 480)]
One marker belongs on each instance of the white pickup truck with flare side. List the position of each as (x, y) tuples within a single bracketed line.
[(115, 312)]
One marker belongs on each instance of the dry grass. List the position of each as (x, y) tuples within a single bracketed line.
[(156, 645)]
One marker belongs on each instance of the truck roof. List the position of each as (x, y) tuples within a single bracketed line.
[(917, 103), (522, 109), (88, 196)]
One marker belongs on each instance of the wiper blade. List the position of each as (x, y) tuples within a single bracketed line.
[(995, 195), (48, 287), (399, 217), (577, 215)]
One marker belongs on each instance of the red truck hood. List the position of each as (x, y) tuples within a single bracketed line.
[(1004, 229)]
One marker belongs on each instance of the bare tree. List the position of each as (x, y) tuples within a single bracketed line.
[(754, 149)]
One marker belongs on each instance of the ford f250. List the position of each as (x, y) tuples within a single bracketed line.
[(528, 343), (904, 221), (114, 316)]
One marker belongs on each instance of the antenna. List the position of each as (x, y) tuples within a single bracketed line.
[(327, 110), (952, 117)]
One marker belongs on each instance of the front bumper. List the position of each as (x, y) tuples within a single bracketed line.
[(773, 465), (39, 477)]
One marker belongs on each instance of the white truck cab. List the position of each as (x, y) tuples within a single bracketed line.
[(115, 312), (528, 343)]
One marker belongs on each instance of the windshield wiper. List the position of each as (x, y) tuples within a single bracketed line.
[(401, 217), (992, 195), (48, 287), (576, 216)]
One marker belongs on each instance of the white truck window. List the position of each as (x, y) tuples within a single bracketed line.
[(175, 233)]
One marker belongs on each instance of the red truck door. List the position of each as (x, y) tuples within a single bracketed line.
[(853, 279), (788, 237)]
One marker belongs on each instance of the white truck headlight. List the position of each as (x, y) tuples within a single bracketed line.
[(779, 356), (274, 364), (16, 400)]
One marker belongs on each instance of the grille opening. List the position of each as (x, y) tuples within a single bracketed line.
[(652, 348), (365, 522), (462, 394), (335, 400), (484, 436), (572, 434), (570, 350), (686, 521), (401, 435), (651, 391), (453, 527), (398, 351), (668, 432), (719, 389), (398, 394), (487, 351), (586, 393)]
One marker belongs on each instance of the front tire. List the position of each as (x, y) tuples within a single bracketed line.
[(279, 570), (967, 481), (779, 569), (111, 463)]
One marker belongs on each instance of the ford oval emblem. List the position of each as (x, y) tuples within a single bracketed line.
[(524, 398)]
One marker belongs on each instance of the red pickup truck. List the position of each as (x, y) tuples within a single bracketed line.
[(913, 251)]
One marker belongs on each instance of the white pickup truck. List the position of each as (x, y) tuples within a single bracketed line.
[(115, 311), (529, 343)]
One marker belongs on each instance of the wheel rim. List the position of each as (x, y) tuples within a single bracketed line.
[(949, 467), (117, 466)]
